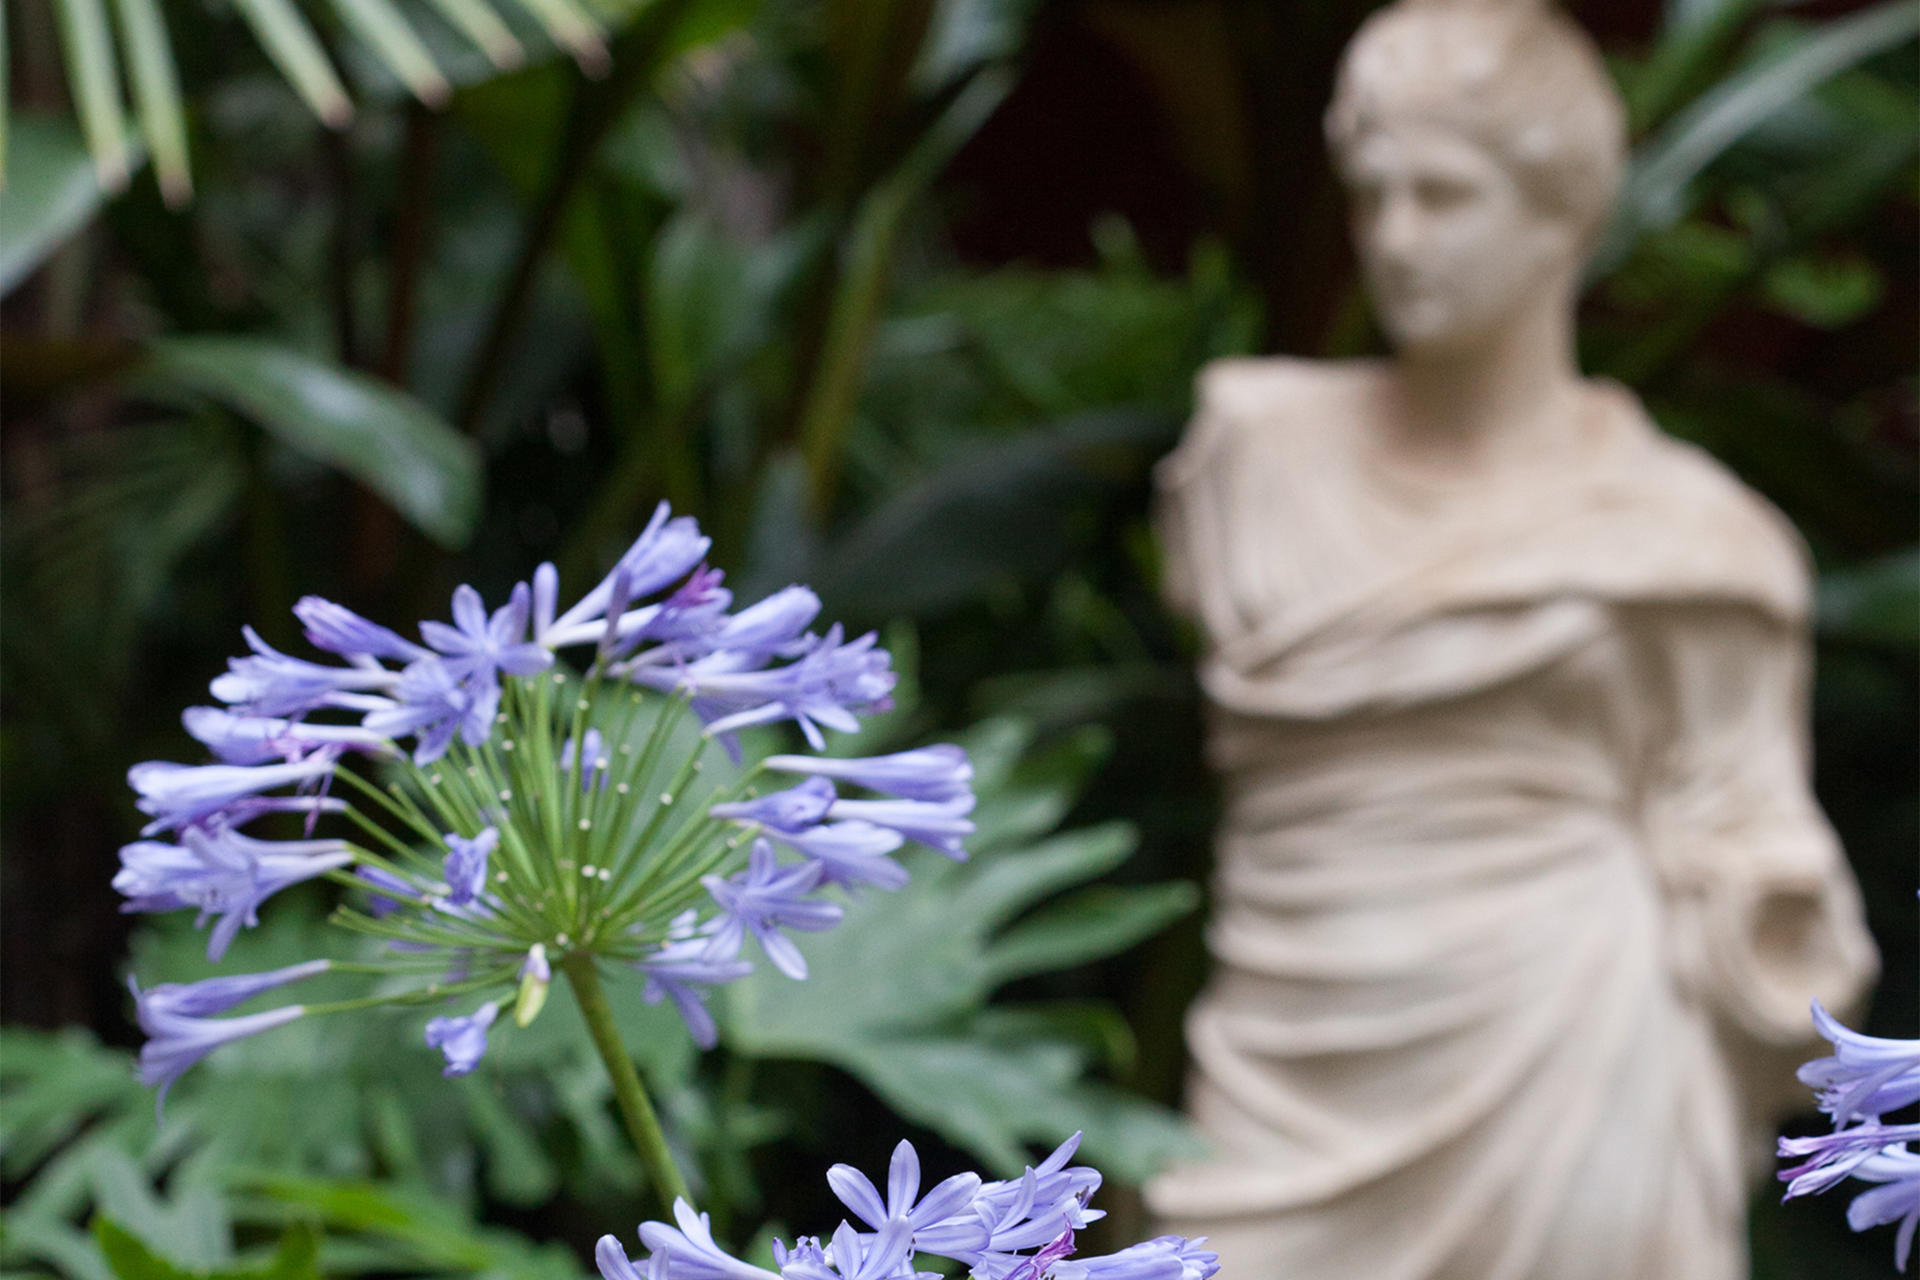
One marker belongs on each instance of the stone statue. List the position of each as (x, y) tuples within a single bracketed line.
[(1521, 892)]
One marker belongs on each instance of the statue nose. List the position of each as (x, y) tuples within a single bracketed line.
[(1397, 231)]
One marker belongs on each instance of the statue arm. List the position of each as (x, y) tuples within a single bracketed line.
[(1766, 913)]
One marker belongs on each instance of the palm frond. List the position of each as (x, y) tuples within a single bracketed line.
[(286, 33)]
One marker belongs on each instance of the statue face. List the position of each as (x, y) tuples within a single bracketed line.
[(1451, 246)]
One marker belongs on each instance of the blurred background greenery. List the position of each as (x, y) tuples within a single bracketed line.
[(902, 298)]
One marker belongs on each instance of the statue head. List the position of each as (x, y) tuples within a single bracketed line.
[(1481, 142)]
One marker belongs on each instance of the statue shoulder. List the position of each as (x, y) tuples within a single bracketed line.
[(1283, 389), (1247, 398), (1725, 520)]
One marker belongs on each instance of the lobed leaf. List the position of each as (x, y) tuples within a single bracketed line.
[(374, 432)]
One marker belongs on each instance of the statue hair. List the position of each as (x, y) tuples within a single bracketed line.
[(1517, 77)]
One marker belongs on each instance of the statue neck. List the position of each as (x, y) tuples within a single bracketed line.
[(1509, 395)]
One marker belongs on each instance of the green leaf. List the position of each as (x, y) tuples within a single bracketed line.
[(129, 1258), (375, 433), (984, 515), (710, 304), (480, 24), (156, 88), (296, 1258), (290, 42), (50, 193), (1826, 292), (1691, 40), (382, 28), (189, 1220), (572, 28), (412, 1232), (964, 35), (1664, 169), (1087, 926), (95, 78)]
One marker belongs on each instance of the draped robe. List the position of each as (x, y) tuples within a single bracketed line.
[(1521, 893)]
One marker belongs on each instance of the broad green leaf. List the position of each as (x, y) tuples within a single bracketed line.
[(53, 1083), (1035, 791), (156, 89), (413, 1233), (986, 515), (995, 1097), (95, 76), (188, 1223), (1088, 926), (1664, 169), (377, 434), (50, 193), (1692, 39), (295, 1258), (129, 1258)]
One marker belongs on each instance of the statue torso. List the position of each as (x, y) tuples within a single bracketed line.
[(1442, 716)]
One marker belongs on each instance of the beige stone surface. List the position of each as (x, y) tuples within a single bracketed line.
[(1521, 890)]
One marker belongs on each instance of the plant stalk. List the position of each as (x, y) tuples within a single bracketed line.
[(643, 1126)]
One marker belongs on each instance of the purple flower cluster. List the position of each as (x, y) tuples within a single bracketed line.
[(533, 806), (845, 843), (1019, 1229), (1865, 1078)]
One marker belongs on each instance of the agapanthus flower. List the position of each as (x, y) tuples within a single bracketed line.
[(241, 739), (961, 1219), (850, 854), (831, 680), (1864, 1079), (683, 968), (925, 773), (221, 873), (465, 865), (463, 1040), (766, 899), (528, 790), (177, 794), (181, 1029)]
